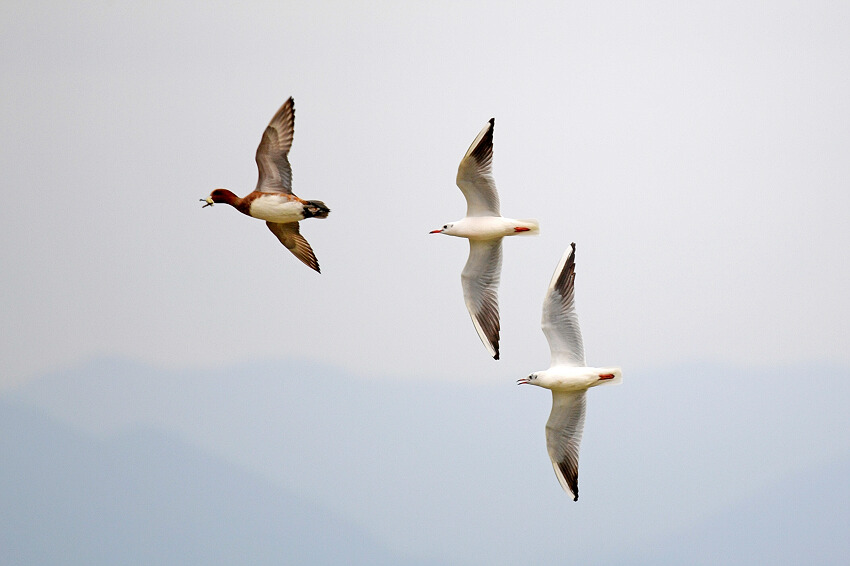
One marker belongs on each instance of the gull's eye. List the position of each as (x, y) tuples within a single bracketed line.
[(445, 226)]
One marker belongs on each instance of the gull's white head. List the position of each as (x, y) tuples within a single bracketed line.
[(446, 229), (530, 380)]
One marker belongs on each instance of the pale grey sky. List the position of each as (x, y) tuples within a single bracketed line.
[(696, 152)]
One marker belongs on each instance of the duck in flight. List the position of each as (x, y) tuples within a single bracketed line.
[(484, 227), (273, 200), (568, 376)]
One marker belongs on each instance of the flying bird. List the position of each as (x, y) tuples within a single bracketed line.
[(485, 227), (568, 376), (273, 200)]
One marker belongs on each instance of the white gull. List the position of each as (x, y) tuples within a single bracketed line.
[(484, 227), (568, 376)]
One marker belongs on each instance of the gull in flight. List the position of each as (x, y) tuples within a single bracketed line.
[(485, 227), (273, 200), (568, 376)]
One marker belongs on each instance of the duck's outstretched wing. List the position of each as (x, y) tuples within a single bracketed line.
[(273, 152), (290, 236)]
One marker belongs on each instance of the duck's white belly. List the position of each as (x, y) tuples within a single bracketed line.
[(277, 208)]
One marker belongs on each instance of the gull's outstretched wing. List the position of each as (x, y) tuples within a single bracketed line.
[(563, 436), (480, 280), (560, 321), (273, 151), (290, 236), (474, 176)]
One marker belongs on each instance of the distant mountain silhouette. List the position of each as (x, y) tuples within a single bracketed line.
[(677, 464), (144, 497), (801, 522)]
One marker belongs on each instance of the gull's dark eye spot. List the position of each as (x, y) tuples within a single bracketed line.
[(445, 226)]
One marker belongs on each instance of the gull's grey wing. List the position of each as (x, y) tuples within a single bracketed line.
[(480, 280), (273, 151), (290, 236), (560, 321), (475, 178), (563, 436)]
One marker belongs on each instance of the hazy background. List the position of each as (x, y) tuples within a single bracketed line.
[(696, 152)]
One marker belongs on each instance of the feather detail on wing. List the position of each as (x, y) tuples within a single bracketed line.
[(563, 436), (475, 178), (480, 279), (560, 321), (273, 151), (290, 236)]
